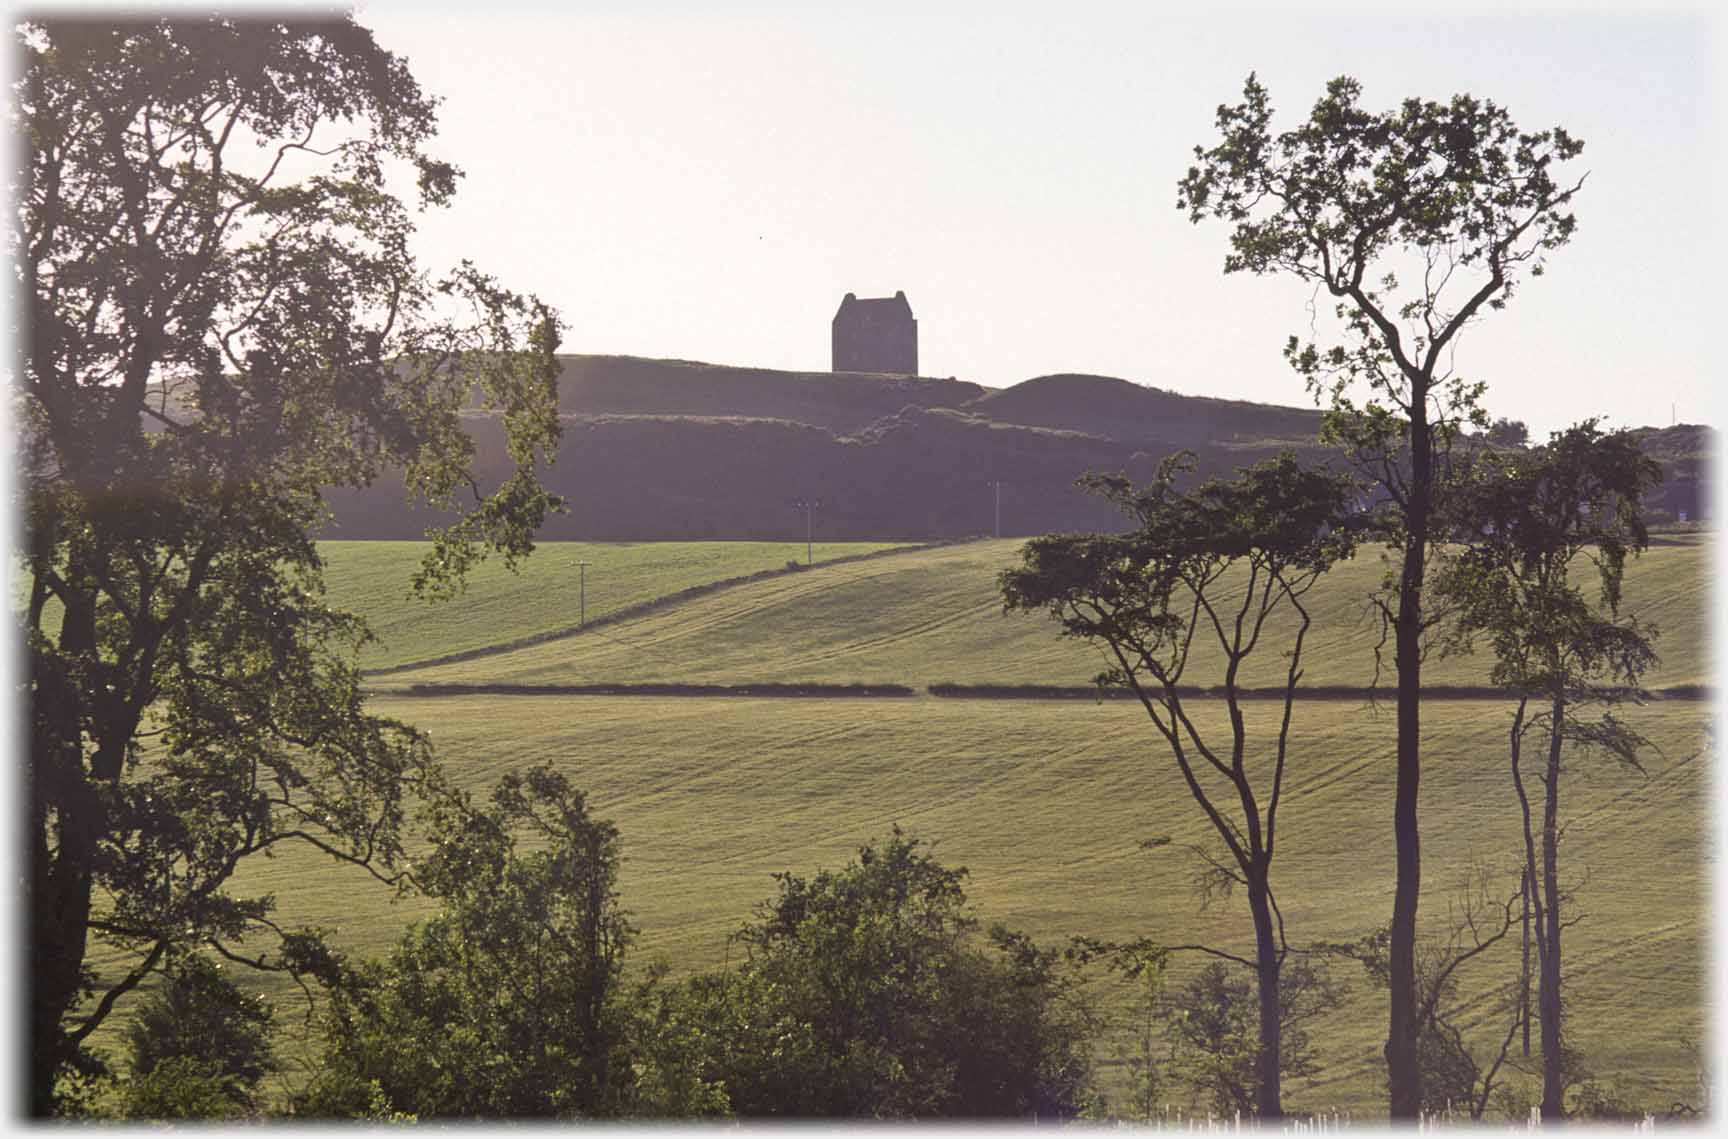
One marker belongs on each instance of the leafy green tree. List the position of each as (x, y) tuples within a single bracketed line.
[(225, 320), (1569, 658), (865, 995), (201, 1015), (1416, 222), (1227, 564), (509, 1002)]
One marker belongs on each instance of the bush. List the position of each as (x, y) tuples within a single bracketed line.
[(180, 1087), (865, 993), (198, 1037), (508, 1002)]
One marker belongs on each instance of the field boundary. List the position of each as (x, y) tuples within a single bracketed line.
[(643, 608), (977, 691), (844, 690), (1305, 692)]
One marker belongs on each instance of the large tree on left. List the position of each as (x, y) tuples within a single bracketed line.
[(224, 318)]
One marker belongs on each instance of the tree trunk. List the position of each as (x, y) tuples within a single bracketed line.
[(64, 808), (1403, 1072), (1548, 989), (1269, 1100), (1524, 974)]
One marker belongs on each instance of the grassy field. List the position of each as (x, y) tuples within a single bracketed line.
[(1046, 802), (371, 578), (932, 616)]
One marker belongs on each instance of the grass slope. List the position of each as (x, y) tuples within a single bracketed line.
[(371, 578), (1047, 803), (933, 616)]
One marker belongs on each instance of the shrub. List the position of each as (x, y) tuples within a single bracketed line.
[(507, 1003), (180, 1087), (196, 1037), (865, 993)]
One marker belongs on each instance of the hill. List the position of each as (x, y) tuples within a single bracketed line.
[(1145, 416), (673, 450), (841, 402), (692, 451)]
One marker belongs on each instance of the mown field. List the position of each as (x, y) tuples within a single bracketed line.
[(500, 606), (1047, 803), (933, 616)]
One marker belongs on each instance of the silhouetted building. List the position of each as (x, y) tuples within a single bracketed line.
[(876, 335)]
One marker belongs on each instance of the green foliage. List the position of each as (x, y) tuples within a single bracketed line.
[(212, 346), (1286, 523), (1212, 1026), (181, 1087), (865, 995), (1508, 433), (1453, 191), (200, 1015), (1529, 518), (509, 1002)]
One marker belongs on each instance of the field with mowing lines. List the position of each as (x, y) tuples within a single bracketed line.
[(371, 578), (1047, 803), (931, 616)]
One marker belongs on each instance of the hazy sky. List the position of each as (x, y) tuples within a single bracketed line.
[(701, 185)]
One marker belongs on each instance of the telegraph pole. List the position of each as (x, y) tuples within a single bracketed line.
[(998, 486), (809, 506), (582, 587)]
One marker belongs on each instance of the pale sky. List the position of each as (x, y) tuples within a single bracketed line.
[(701, 185)]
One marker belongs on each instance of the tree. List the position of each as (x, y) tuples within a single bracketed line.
[(1212, 1026), (1226, 563), (1453, 1077), (202, 1016), (509, 1002), (1508, 433), (224, 319), (1532, 516), (864, 995), (1455, 197)]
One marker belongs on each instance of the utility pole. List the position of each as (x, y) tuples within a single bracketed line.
[(582, 587), (998, 485), (809, 507)]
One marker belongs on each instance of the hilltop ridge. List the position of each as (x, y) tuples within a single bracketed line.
[(685, 450)]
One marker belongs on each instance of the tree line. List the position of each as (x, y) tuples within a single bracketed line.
[(226, 324)]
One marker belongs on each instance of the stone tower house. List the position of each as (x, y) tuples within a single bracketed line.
[(877, 334)]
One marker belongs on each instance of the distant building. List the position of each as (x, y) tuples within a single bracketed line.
[(876, 335)]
